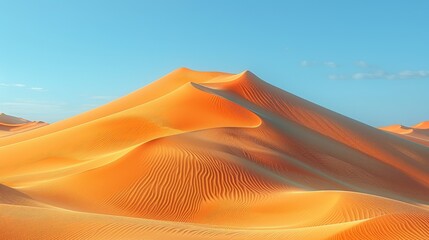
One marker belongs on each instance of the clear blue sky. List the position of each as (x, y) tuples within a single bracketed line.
[(368, 60)]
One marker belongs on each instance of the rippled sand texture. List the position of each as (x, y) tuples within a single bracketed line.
[(208, 155)]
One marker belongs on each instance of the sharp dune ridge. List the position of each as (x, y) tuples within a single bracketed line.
[(212, 155)]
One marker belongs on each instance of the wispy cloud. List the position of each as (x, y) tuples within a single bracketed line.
[(329, 64), (21, 86), (89, 105), (367, 71), (32, 104), (412, 74), (102, 97), (362, 64), (305, 63), (37, 88), (380, 74), (337, 77)]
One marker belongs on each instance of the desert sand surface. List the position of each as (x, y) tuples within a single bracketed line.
[(211, 155), (418, 133), (10, 125)]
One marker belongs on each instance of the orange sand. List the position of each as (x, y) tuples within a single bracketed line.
[(418, 133), (208, 155), (10, 125)]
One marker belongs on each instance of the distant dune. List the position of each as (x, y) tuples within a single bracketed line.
[(210, 155), (10, 125), (418, 133)]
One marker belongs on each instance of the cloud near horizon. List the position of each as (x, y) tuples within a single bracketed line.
[(21, 85), (37, 88), (380, 74), (362, 64), (100, 97), (368, 72), (330, 64)]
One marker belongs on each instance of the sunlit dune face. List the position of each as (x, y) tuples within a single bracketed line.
[(210, 155), (422, 125)]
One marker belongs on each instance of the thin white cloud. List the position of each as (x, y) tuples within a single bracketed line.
[(371, 75), (330, 64), (101, 97), (89, 106), (31, 104), (305, 63), (412, 74), (337, 77), (380, 74), (21, 86), (37, 88), (362, 64)]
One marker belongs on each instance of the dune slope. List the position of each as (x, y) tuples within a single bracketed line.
[(210, 155), (10, 125), (418, 133)]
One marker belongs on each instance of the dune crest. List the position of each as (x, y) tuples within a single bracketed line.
[(10, 125), (422, 125), (211, 155), (418, 133)]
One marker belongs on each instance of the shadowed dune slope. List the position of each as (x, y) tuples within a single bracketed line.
[(6, 119), (209, 155), (10, 125)]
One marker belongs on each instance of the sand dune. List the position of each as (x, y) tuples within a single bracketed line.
[(10, 125), (422, 125), (210, 155), (418, 133), (345, 216)]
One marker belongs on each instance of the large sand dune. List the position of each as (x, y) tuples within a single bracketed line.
[(209, 155)]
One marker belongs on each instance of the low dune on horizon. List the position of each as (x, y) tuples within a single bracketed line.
[(418, 133), (212, 155), (10, 125)]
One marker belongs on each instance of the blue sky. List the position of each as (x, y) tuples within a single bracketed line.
[(368, 60)]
